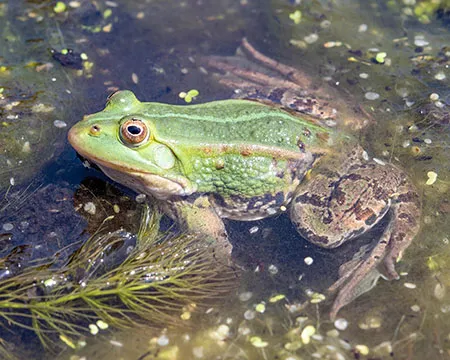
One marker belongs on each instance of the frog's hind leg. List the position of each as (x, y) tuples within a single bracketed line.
[(291, 73), (243, 66), (403, 226), (401, 230), (405, 222), (353, 275), (338, 205), (247, 72), (253, 75)]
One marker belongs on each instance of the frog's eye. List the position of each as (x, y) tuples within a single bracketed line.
[(111, 96), (124, 99), (133, 132)]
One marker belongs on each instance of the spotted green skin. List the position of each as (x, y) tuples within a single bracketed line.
[(245, 160)]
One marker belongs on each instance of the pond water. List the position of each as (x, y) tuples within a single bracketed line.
[(60, 60)]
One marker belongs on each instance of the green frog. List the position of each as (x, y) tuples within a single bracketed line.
[(246, 160)]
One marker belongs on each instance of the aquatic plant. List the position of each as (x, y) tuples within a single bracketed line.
[(159, 277)]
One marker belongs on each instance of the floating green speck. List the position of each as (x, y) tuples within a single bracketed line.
[(432, 264), (67, 341), (296, 16), (59, 7), (256, 341), (380, 57), (317, 298), (306, 334), (107, 13), (93, 329), (362, 349), (432, 176), (87, 65), (49, 282), (102, 325), (276, 298), (189, 95), (260, 308)]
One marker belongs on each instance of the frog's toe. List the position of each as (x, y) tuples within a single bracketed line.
[(353, 289), (387, 268)]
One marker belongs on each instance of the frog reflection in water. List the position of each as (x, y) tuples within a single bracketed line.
[(247, 160)]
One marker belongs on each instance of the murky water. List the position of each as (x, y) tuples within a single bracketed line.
[(390, 57)]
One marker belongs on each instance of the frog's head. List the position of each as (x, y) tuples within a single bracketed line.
[(124, 143)]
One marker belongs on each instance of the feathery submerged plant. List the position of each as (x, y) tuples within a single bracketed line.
[(157, 279)]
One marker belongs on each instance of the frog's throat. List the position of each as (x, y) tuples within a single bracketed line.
[(150, 184), (144, 182)]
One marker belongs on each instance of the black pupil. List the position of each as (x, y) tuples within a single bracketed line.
[(134, 130)]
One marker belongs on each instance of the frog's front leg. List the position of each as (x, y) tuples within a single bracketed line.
[(197, 216), (335, 206)]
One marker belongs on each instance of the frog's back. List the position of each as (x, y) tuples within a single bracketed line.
[(234, 122)]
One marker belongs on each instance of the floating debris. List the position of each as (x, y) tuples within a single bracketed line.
[(59, 124), (311, 38), (74, 4), (439, 291), (245, 296), (371, 95), (440, 76), (253, 229), (8, 226), (90, 208), (163, 340), (273, 269), (249, 315), (409, 285), (432, 176), (325, 24), (330, 44), (362, 28), (341, 324), (116, 343), (373, 322), (434, 97), (308, 260), (419, 40), (379, 162)]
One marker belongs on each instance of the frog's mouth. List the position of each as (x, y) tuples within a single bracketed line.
[(140, 181)]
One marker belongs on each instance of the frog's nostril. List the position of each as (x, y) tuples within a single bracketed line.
[(95, 130)]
